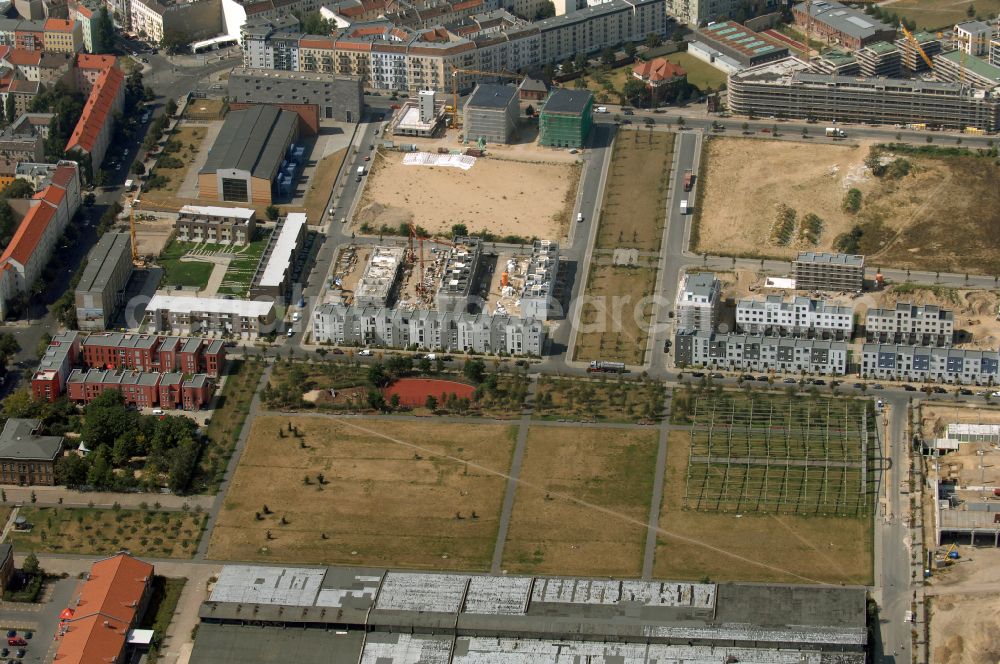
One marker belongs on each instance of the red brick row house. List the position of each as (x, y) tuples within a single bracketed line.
[(142, 389)]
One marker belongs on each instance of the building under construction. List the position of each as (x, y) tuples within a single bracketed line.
[(537, 296), (787, 89), (880, 59), (336, 615), (458, 279), (912, 61), (379, 279)]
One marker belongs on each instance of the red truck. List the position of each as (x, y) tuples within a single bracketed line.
[(688, 179)]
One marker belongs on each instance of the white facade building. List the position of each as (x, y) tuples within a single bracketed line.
[(698, 301), (802, 317)]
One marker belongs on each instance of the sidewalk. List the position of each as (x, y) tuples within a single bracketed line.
[(50, 495)]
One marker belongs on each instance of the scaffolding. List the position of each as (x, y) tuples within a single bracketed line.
[(769, 454)]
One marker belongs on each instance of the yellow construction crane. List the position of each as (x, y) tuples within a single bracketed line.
[(913, 41), (131, 226), (454, 87)]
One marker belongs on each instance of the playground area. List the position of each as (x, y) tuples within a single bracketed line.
[(413, 392)]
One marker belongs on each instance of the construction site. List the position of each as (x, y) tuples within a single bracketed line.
[(448, 275)]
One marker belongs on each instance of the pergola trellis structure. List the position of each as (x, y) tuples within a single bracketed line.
[(778, 454)]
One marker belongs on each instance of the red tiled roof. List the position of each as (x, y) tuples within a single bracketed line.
[(4, 50), (84, 10), (21, 57), (63, 174), (96, 110), (107, 609), (58, 25), (88, 61), (25, 240), (54, 195), (316, 43), (658, 69)]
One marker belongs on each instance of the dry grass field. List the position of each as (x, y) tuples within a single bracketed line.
[(901, 217), (504, 197), (939, 14), (727, 547), (608, 469), (603, 399), (369, 500), (935, 417), (634, 209), (614, 324), (321, 185), (187, 136)]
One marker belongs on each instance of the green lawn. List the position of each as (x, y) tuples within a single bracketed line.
[(700, 74), (242, 267), (936, 14), (194, 274)]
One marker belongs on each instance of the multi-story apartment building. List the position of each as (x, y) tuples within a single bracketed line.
[(153, 353), (698, 301), (62, 354), (417, 53), (749, 352), (100, 293), (829, 272), (491, 113), (787, 89), (435, 330), (94, 130), (456, 292), (927, 325), (973, 37), (594, 28), (153, 20), (920, 363), (912, 61), (219, 225), (954, 67), (840, 24), (35, 239), (802, 317), (186, 314), (62, 36)]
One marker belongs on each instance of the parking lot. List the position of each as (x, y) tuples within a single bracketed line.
[(40, 620)]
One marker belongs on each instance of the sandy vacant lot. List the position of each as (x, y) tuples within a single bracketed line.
[(964, 605), (903, 221), (381, 502), (935, 417), (551, 534), (748, 178), (530, 199), (727, 547)]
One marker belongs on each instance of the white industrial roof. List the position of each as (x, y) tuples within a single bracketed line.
[(216, 211), (186, 304), (281, 255)]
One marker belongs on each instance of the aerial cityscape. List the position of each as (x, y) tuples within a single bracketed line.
[(499, 331)]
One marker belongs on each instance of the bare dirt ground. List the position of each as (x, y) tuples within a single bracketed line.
[(747, 178), (902, 217), (551, 534), (152, 233), (378, 502), (935, 418), (964, 605), (727, 547), (504, 197)]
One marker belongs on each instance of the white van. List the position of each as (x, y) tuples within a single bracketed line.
[(684, 206), (601, 109), (157, 411), (365, 353), (361, 171), (579, 216)]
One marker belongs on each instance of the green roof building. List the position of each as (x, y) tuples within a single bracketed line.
[(566, 118)]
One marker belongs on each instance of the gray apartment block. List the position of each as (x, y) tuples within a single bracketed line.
[(698, 301), (458, 281), (338, 97), (434, 330), (754, 352), (927, 325), (880, 59), (220, 225), (491, 113), (537, 299), (787, 89), (801, 317), (829, 272), (920, 363), (380, 276), (101, 290)]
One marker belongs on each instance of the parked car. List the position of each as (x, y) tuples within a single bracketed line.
[(940, 390), (337, 351), (909, 388), (877, 386), (16, 641), (747, 377), (762, 379), (718, 376), (965, 391), (859, 386), (698, 374), (819, 381), (367, 352), (790, 381)]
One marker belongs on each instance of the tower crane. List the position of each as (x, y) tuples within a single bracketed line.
[(913, 41), (454, 86), (131, 227)]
